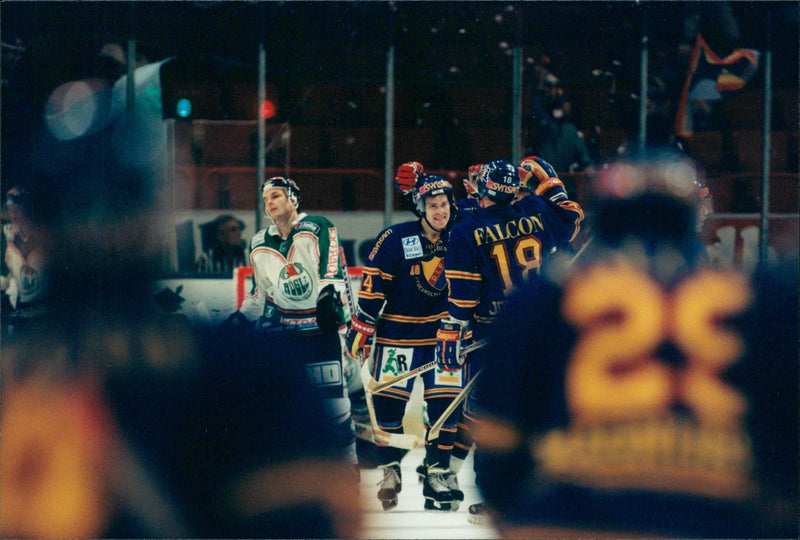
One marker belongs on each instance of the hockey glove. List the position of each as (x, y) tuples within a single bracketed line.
[(407, 175), (448, 344), (359, 336), (538, 176), (471, 181), (330, 310)]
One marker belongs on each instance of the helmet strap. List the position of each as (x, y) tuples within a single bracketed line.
[(440, 231)]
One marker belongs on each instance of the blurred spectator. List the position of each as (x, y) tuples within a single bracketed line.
[(556, 138), (560, 141), (229, 250)]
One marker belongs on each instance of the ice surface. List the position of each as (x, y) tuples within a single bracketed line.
[(409, 519)]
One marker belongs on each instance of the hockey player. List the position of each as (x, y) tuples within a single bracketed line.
[(296, 295), (402, 297), (24, 280), (644, 393), (407, 175), (494, 251)]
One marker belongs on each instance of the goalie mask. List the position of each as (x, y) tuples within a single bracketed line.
[(499, 181), (430, 186), (292, 191)]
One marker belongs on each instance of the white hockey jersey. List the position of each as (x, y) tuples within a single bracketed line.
[(25, 264), (289, 273)]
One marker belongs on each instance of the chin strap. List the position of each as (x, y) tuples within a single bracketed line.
[(434, 228)]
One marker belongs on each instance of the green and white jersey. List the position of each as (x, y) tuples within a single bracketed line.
[(290, 273), (24, 276)]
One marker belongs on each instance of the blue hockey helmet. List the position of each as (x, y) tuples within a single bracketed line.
[(430, 186), (292, 191), (499, 181)]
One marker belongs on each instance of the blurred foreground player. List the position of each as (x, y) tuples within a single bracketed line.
[(644, 393)]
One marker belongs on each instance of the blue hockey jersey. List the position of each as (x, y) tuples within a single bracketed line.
[(403, 282), (496, 249)]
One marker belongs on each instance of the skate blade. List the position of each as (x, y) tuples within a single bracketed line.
[(476, 519), (433, 506), (388, 504)]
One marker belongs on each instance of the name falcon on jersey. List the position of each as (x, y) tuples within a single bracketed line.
[(511, 229)]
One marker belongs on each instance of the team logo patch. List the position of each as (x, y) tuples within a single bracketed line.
[(412, 247), (448, 378), (30, 279), (433, 271), (308, 226), (295, 282), (394, 361)]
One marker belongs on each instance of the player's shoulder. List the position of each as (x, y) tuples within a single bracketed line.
[(465, 222), (313, 224), (9, 231), (389, 237), (258, 239), (405, 228), (466, 207), (532, 202)]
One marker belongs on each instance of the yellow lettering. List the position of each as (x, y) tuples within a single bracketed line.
[(479, 237), (493, 235), (511, 230)]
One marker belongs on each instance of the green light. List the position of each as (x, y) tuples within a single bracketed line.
[(183, 108)]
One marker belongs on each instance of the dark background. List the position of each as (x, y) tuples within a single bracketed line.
[(461, 43)]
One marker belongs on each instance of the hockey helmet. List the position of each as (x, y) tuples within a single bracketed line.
[(428, 186), (292, 191), (499, 181)]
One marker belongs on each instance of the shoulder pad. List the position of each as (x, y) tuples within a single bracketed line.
[(8, 231), (307, 226), (379, 242), (258, 238)]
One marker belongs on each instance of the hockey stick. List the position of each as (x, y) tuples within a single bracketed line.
[(364, 431), (347, 282), (375, 386), (405, 441), (580, 251), (433, 431)]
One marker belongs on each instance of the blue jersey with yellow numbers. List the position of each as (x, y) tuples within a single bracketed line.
[(404, 277), (645, 395), (496, 249)]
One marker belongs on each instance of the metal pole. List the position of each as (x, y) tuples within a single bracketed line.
[(261, 161), (388, 200), (763, 244), (643, 85), (130, 86), (388, 158), (516, 93)]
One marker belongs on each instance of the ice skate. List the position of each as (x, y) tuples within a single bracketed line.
[(429, 459), (477, 513), (422, 470), (391, 485), (435, 487), (452, 482)]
